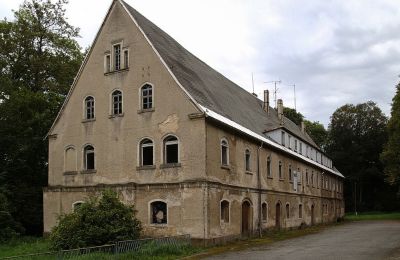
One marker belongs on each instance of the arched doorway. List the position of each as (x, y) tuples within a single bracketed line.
[(312, 215), (246, 218), (278, 215)]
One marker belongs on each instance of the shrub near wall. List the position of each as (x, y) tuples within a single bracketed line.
[(98, 221)]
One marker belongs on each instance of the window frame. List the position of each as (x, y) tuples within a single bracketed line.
[(114, 62), (85, 108), (264, 217), (121, 102), (85, 159), (143, 145), (125, 54), (269, 165), (107, 62), (151, 217), (226, 146), (300, 210), (221, 216), (287, 211), (247, 160), (141, 96), (170, 142), (280, 175)]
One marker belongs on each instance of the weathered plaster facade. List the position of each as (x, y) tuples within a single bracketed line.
[(192, 188)]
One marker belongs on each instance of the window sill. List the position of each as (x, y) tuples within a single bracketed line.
[(88, 171), (170, 165), (116, 71), (70, 173), (163, 225), (115, 116), (145, 167), (147, 110), (88, 120), (249, 172), (225, 167)]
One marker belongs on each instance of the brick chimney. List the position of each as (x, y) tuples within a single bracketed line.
[(280, 111), (266, 101)]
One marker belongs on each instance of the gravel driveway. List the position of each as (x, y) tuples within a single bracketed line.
[(356, 240)]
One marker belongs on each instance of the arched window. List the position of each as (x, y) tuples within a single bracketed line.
[(225, 211), (264, 211), (287, 211), (117, 102), (146, 152), (147, 96), (158, 211), (89, 107), (300, 211), (269, 173), (171, 150), (88, 157), (247, 160), (76, 205), (224, 152), (70, 159)]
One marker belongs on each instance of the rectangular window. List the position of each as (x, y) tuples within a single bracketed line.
[(307, 176), (300, 211), (280, 170), (301, 148), (171, 153), (126, 59), (307, 152), (269, 166), (107, 63), (147, 154), (290, 173), (289, 142), (283, 138), (117, 57), (312, 178), (295, 145)]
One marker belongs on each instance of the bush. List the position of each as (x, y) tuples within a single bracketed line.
[(9, 228), (96, 222)]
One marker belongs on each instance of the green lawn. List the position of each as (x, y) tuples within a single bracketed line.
[(373, 216), (24, 245)]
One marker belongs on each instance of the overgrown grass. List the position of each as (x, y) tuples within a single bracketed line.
[(373, 216), (24, 245)]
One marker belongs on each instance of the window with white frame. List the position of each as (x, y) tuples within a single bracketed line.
[(171, 150), (247, 160), (224, 152), (147, 96), (116, 99), (88, 160), (158, 211), (224, 211), (117, 56), (89, 107), (146, 152)]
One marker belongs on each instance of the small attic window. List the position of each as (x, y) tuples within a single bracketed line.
[(117, 56)]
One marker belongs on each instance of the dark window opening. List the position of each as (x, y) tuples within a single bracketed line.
[(224, 152), (264, 211), (171, 150), (225, 211), (300, 211), (269, 166), (290, 172), (158, 212), (280, 170), (247, 160), (146, 147), (287, 211), (89, 157), (117, 57)]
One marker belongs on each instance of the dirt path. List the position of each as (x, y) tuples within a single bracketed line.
[(356, 240)]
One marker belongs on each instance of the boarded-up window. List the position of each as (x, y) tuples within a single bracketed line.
[(225, 211)]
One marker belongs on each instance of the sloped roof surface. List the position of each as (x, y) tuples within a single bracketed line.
[(210, 88)]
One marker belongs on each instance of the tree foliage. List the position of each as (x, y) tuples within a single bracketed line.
[(356, 138), (39, 58), (98, 221), (293, 115), (317, 132), (391, 153)]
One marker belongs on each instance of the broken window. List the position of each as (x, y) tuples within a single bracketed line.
[(300, 211), (224, 152), (225, 211), (269, 166), (247, 160), (117, 102), (158, 212), (147, 96), (89, 157), (146, 152), (264, 209), (117, 57), (171, 150), (287, 211), (89, 107)]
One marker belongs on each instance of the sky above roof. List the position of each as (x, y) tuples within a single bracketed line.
[(335, 52)]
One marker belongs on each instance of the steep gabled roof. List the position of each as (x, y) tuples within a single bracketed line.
[(210, 88)]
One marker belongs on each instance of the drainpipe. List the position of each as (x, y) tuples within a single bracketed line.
[(259, 190)]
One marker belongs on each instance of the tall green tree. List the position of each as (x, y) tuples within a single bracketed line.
[(39, 58), (317, 132), (293, 115), (391, 153), (355, 140)]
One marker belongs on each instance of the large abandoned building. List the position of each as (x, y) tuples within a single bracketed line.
[(195, 153)]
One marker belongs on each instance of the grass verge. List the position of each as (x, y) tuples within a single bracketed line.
[(24, 245), (373, 216)]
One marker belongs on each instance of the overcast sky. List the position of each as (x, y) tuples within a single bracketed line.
[(336, 52)]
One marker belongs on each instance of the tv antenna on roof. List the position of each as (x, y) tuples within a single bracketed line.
[(275, 89)]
